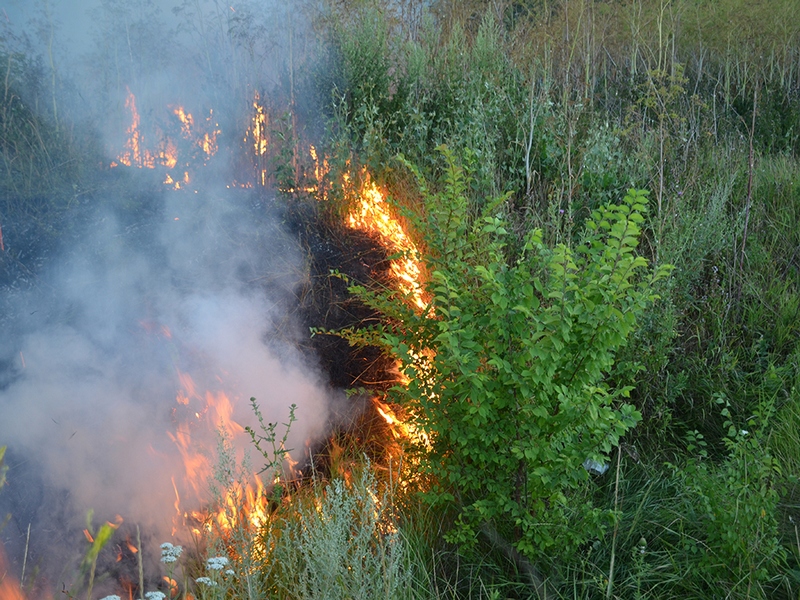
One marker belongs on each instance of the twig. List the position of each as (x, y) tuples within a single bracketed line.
[(25, 558), (140, 561), (616, 527)]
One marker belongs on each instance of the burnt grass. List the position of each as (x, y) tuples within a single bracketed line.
[(338, 257), (324, 302)]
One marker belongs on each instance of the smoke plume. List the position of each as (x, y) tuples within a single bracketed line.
[(139, 337)]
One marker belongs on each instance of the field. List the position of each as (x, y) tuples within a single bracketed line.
[(552, 246)]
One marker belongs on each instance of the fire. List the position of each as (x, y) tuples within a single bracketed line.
[(169, 156), (243, 503), (213, 410), (321, 170), (258, 129), (258, 134), (207, 142), (372, 214), (166, 152), (133, 155), (187, 121), (9, 587)]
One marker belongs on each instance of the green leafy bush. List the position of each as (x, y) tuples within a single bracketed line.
[(509, 368)]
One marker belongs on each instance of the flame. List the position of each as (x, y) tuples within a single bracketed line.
[(166, 154), (172, 585), (169, 156), (258, 134), (372, 214), (207, 141), (243, 504), (259, 128), (133, 156), (186, 119), (9, 587), (321, 170)]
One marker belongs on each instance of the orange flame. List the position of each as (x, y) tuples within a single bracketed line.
[(9, 586), (133, 156), (166, 154), (187, 121), (372, 214), (244, 503), (258, 134), (259, 128), (208, 140)]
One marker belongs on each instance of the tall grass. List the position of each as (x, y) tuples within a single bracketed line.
[(567, 104)]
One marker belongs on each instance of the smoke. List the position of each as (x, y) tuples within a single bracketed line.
[(197, 292), (143, 338)]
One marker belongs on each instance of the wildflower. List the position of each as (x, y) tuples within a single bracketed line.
[(205, 581), (155, 595), (111, 597), (216, 563), (170, 553), (230, 572)]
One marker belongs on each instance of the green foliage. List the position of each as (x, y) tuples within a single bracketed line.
[(341, 545), (273, 450), (336, 539), (388, 95), (733, 534), (97, 542), (509, 367)]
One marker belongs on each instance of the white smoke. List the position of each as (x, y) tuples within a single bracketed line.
[(154, 289), (201, 288)]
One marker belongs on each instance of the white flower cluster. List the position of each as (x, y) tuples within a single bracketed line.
[(111, 597), (216, 563), (155, 596), (205, 581), (170, 553)]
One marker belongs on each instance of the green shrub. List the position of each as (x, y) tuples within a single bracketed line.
[(508, 371)]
